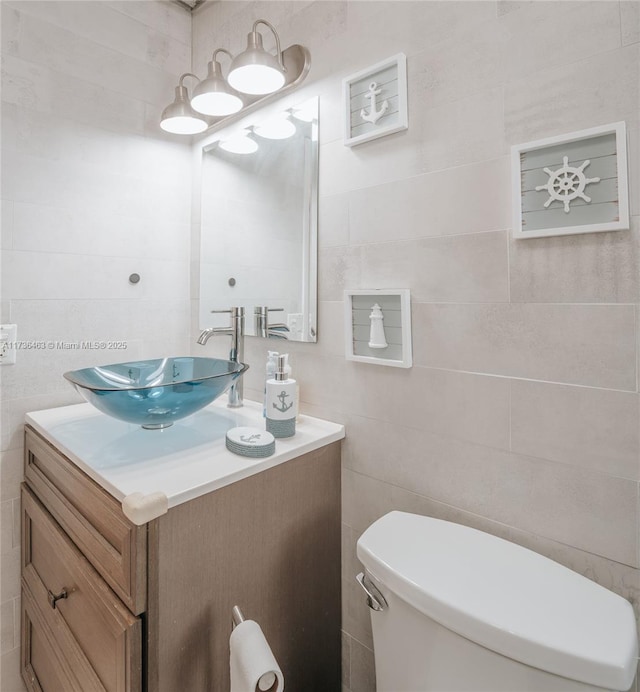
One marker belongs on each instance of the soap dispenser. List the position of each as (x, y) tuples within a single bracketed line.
[(270, 374), (281, 401)]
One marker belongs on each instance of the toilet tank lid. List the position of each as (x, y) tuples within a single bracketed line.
[(505, 597)]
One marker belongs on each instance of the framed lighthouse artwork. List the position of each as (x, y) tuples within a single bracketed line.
[(375, 101)]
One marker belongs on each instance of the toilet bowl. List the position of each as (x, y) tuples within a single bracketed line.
[(454, 609)]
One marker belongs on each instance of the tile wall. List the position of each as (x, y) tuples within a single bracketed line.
[(521, 414), (92, 191)]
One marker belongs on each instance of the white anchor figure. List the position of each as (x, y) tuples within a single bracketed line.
[(374, 115)]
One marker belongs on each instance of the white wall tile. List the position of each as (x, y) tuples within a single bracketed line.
[(11, 474), (585, 509), (591, 345), (630, 21), (10, 574), (36, 86), (6, 223), (588, 268), (6, 527), (11, 680), (67, 52), (590, 428), (573, 96), (161, 17), (40, 275), (460, 405), (372, 163), (542, 35), (44, 228), (6, 627), (107, 26), (333, 220), (363, 677), (62, 185), (461, 132), (102, 319), (467, 59), (380, 28), (466, 199), (338, 269), (462, 268)]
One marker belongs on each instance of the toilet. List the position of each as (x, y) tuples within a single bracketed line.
[(454, 609)]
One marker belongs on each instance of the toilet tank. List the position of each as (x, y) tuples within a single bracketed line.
[(509, 600)]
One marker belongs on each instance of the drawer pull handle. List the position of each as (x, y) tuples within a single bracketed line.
[(54, 598)]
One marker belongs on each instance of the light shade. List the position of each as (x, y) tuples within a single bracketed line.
[(278, 127), (179, 118), (213, 95), (255, 71), (240, 144)]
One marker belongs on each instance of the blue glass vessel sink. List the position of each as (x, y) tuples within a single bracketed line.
[(155, 393)]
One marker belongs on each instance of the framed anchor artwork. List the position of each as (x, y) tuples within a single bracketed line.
[(375, 101)]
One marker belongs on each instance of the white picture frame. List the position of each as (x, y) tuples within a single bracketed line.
[(609, 213), (390, 76), (396, 309)]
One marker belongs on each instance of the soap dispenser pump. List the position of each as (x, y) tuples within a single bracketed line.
[(281, 401)]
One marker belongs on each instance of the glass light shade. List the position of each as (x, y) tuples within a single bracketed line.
[(179, 118), (255, 71), (240, 144), (279, 127), (213, 96), (183, 125), (305, 115)]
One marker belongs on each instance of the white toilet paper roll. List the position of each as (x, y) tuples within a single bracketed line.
[(253, 665)]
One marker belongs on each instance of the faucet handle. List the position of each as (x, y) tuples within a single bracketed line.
[(263, 309), (234, 312)]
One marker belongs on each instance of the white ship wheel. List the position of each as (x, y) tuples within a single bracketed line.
[(566, 184)]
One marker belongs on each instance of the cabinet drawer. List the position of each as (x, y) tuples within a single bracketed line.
[(84, 641), (91, 517)]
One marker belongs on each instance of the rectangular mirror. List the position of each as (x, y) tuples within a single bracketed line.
[(259, 225)]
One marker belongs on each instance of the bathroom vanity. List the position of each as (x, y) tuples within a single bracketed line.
[(114, 604)]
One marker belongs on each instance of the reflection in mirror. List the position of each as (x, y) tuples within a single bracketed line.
[(259, 225)]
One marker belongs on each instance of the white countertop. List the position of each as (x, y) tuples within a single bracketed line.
[(184, 461)]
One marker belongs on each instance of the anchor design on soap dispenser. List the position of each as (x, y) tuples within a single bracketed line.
[(374, 115), (283, 406)]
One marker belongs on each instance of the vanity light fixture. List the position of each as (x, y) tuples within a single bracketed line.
[(240, 143), (255, 78), (278, 127), (255, 71), (178, 117), (213, 96)]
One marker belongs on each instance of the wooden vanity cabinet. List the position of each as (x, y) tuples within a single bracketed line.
[(107, 605)]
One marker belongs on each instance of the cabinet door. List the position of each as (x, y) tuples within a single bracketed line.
[(91, 518), (77, 634)]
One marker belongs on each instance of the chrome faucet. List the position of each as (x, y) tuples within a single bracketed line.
[(236, 331), (279, 330)]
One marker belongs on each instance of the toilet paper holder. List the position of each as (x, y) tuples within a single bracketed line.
[(237, 616)]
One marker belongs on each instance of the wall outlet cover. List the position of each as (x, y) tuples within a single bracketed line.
[(8, 337)]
